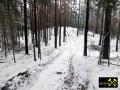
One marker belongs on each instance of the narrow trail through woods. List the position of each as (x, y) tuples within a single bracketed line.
[(63, 73)]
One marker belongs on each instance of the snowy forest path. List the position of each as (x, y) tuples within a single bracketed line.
[(64, 73), (78, 74)]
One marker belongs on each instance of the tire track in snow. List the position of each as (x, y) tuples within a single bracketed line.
[(68, 82), (73, 80)]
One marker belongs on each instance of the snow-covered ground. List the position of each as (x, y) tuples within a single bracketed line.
[(64, 68)]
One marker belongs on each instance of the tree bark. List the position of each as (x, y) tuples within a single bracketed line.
[(55, 23), (86, 28), (118, 33), (4, 30), (78, 20), (35, 23), (25, 27), (106, 41), (97, 20), (64, 32), (101, 32), (60, 25), (11, 30)]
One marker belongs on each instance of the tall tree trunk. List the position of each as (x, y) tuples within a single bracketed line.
[(118, 33), (47, 26), (55, 23), (32, 28), (106, 41), (97, 20), (64, 32), (11, 27), (19, 37), (4, 30), (25, 27), (39, 38), (35, 23), (78, 20), (86, 28), (60, 25), (101, 32)]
